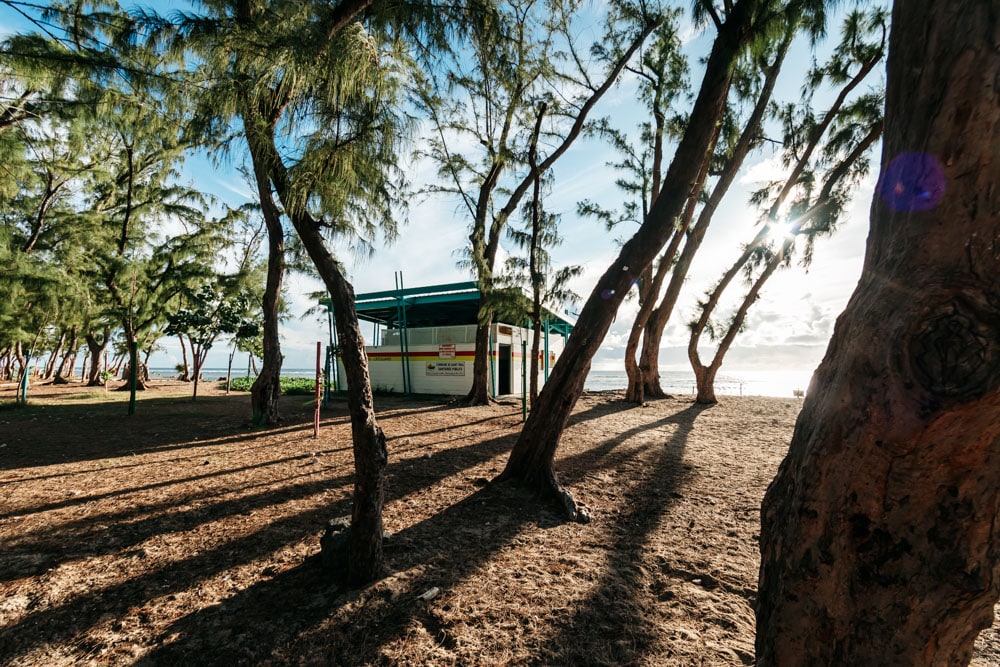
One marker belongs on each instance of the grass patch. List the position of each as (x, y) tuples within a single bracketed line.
[(289, 386)]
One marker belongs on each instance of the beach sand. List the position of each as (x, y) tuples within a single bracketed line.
[(182, 536)]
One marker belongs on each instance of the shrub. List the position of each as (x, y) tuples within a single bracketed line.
[(289, 386)]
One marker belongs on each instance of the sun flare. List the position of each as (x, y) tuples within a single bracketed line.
[(780, 232)]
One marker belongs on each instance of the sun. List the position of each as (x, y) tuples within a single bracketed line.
[(780, 232)]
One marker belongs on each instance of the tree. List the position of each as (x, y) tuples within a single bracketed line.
[(756, 80), (210, 313), (878, 533), (849, 129), (545, 284), (313, 75), (662, 75), (494, 89), (531, 460)]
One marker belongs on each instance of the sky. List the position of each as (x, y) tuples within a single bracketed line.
[(787, 329)]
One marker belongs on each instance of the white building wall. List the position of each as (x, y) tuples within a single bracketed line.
[(441, 359)]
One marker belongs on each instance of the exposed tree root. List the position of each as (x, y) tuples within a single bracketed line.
[(547, 489)]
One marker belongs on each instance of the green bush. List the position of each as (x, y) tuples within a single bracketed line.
[(289, 386)]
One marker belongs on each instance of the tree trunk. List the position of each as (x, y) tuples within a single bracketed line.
[(365, 560), (705, 375), (704, 378), (198, 354), (479, 394), (96, 349), (68, 362), (22, 360), (878, 539), (266, 388), (50, 365), (531, 459), (185, 374)]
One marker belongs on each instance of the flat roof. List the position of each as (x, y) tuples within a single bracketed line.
[(434, 306)]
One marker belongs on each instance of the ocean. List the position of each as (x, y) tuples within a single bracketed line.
[(782, 383)]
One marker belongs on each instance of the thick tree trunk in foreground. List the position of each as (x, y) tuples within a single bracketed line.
[(879, 540), (530, 461)]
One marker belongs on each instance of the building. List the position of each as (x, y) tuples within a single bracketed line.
[(423, 341)]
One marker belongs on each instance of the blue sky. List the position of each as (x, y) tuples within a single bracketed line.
[(787, 329)]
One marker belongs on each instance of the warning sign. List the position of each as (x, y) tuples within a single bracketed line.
[(445, 368), (446, 351)]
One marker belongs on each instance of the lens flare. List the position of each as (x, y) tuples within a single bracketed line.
[(912, 182)]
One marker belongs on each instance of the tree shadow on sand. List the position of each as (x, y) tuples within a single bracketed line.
[(300, 588)]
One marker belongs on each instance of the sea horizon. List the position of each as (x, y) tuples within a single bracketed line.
[(777, 383)]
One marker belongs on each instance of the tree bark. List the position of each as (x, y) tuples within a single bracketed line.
[(266, 388), (96, 348), (185, 373), (68, 362), (879, 540), (479, 393), (365, 560), (530, 462)]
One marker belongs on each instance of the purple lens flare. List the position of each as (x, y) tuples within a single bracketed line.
[(912, 182)]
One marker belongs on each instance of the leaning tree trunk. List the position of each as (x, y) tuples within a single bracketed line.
[(50, 365), (365, 560), (879, 540), (530, 461), (68, 362), (266, 388)]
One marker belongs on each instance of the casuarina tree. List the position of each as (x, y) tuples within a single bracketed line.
[(531, 460), (878, 537)]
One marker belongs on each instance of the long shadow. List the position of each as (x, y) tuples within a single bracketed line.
[(606, 406), (82, 500), (575, 467), (388, 417), (58, 624), (612, 627), (303, 600), (121, 465), (94, 432), (440, 551)]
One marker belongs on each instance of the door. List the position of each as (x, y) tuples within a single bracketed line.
[(503, 371)]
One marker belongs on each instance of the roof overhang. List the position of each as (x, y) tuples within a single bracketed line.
[(435, 306)]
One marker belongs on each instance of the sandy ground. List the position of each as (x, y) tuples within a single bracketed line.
[(182, 536)]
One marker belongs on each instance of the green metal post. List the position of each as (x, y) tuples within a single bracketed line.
[(22, 390), (492, 360), (401, 323), (546, 350), (327, 376), (524, 380), (407, 377)]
